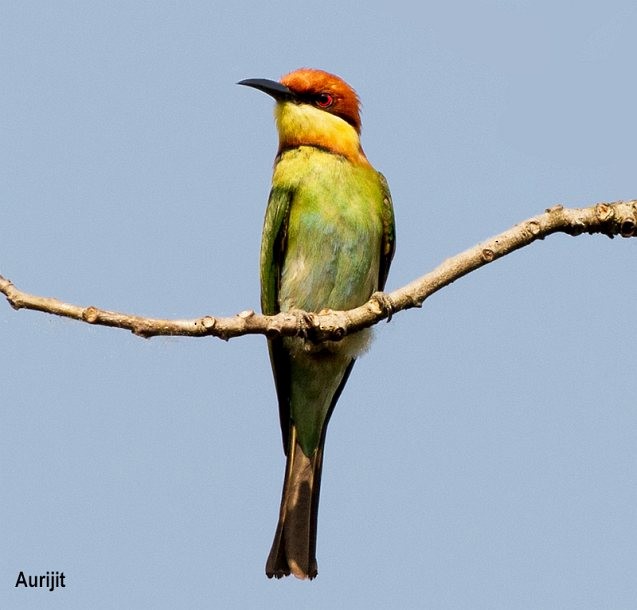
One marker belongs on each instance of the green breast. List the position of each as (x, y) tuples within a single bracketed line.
[(334, 230)]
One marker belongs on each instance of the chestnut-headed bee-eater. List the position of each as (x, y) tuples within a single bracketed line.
[(328, 241)]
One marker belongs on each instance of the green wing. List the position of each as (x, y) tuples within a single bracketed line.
[(388, 243), (273, 243)]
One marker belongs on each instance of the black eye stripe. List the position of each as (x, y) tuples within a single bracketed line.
[(322, 100)]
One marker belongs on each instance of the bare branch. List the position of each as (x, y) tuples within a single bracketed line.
[(619, 218)]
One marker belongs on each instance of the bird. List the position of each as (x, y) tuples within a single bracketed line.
[(328, 242)]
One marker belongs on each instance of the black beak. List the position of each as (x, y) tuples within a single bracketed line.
[(271, 87)]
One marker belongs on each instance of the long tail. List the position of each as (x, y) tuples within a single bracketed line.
[(294, 547)]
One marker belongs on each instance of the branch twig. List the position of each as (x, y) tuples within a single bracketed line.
[(619, 218)]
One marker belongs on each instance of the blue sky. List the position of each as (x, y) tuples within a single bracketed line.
[(483, 454)]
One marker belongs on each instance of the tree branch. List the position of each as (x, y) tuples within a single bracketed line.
[(619, 218)]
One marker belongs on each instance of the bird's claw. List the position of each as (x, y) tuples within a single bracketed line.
[(306, 321), (384, 303)]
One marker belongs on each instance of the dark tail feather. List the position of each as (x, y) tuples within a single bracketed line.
[(294, 547)]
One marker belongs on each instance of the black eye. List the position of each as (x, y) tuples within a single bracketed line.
[(324, 100)]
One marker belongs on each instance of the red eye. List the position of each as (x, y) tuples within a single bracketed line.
[(324, 100)]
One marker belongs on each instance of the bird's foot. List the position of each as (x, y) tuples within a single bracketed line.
[(384, 303), (306, 322)]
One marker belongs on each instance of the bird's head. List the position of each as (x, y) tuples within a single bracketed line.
[(315, 108)]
